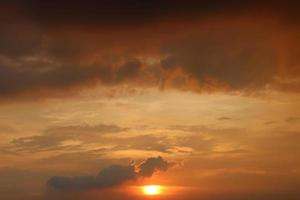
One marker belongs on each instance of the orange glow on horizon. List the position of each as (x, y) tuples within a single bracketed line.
[(152, 190)]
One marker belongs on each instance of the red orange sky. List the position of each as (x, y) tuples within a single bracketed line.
[(98, 98)]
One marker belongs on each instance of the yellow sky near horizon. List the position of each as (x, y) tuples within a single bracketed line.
[(218, 140)]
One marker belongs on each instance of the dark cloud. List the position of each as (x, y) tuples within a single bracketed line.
[(232, 58), (110, 176), (122, 12), (115, 175), (20, 38), (151, 165), (53, 47), (135, 12), (129, 70), (14, 81)]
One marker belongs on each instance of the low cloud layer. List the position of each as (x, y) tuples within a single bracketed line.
[(111, 176)]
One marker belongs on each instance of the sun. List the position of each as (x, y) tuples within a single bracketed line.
[(152, 189)]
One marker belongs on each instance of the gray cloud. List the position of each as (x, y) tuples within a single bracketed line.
[(115, 13), (230, 57), (25, 79), (110, 176), (151, 165), (48, 53)]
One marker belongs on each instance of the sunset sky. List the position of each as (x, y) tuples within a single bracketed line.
[(100, 98)]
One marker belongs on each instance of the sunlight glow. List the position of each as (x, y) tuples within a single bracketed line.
[(152, 189)]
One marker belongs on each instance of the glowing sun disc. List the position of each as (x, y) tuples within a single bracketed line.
[(152, 189)]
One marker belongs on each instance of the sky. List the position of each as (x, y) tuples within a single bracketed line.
[(99, 98)]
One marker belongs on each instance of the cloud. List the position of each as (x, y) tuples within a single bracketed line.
[(224, 118), (292, 119), (115, 175), (116, 13), (145, 142), (28, 78), (229, 57), (151, 165), (92, 141), (46, 51), (110, 176), (53, 138), (122, 13), (270, 122)]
